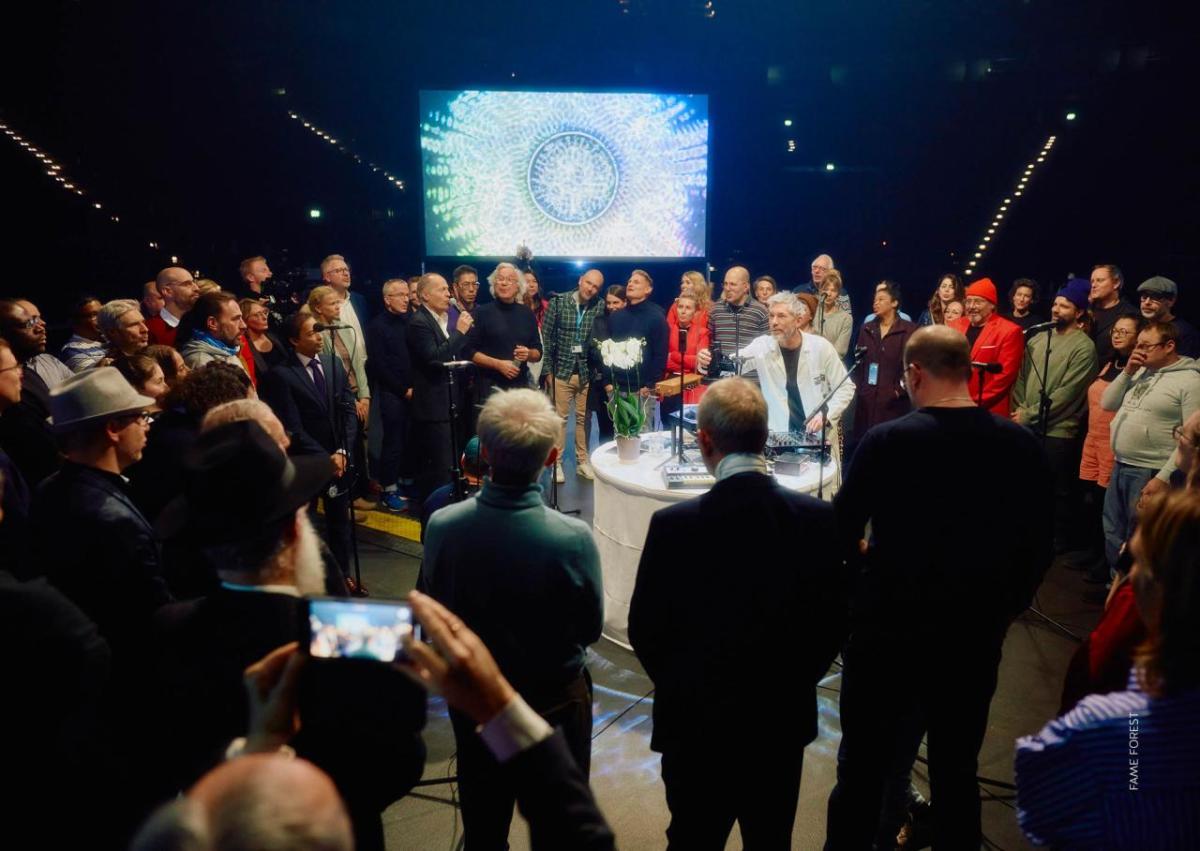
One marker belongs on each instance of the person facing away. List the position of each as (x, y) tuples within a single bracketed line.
[(527, 580), (780, 621), (960, 588)]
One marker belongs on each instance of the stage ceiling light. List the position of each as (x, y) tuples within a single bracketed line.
[(787, 122), (314, 213), (1071, 116), (830, 166)]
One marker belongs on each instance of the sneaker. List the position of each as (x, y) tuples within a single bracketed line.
[(559, 476), (584, 470), (393, 501)]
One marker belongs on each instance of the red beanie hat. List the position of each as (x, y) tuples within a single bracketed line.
[(983, 288)]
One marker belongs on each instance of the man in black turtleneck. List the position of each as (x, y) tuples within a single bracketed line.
[(504, 339), (645, 320)]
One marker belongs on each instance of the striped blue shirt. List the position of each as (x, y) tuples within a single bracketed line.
[(1119, 771)]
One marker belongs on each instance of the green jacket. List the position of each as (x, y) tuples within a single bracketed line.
[(565, 326), (521, 575), (1073, 368)]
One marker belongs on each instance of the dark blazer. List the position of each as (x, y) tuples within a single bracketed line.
[(427, 348), (554, 797), (885, 399), (388, 363), (309, 419), (25, 431), (56, 677), (767, 638), (99, 549), (360, 721)]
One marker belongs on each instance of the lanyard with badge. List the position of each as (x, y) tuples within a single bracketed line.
[(577, 349)]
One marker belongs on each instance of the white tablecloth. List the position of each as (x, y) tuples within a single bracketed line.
[(625, 497)]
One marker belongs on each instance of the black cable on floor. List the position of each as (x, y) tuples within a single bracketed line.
[(621, 714)]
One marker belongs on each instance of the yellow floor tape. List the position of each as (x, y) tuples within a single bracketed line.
[(399, 525)]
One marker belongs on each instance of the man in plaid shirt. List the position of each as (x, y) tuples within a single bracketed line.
[(566, 331)]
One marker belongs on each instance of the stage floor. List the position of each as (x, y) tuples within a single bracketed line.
[(625, 773)]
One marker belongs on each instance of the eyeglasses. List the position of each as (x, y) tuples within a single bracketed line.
[(1122, 332), (31, 323), (1145, 347)]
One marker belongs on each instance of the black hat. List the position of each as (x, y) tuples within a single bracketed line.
[(237, 480)]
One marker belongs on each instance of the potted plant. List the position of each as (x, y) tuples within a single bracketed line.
[(623, 359)]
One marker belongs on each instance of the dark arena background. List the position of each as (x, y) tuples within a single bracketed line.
[(1003, 139)]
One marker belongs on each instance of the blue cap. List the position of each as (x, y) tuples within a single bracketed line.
[(1077, 291)]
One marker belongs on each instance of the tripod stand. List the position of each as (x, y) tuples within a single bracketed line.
[(580, 399), (350, 476), (823, 410), (456, 474)]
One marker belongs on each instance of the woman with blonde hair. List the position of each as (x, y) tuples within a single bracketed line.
[(325, 304), (695, 285)]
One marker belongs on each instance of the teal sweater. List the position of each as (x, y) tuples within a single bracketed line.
[(524, 577), (1072, 369)]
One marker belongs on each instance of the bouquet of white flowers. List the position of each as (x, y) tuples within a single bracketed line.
[(625, 407)]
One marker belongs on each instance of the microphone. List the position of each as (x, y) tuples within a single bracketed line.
[(682, 341), (986, 366), (1053, 325), (859, 351), (319, 326)]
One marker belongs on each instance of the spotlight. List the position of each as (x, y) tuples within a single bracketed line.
[(578, 264), (978, 254), (174, 259), (830, 166), (1071, 116), (314, 213), (787, 122)]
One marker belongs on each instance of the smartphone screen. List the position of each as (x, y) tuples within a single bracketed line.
[(356, 629)]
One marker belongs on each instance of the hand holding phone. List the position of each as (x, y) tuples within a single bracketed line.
[(374, 630)]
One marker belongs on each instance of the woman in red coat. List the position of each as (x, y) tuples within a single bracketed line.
[(685, 317)]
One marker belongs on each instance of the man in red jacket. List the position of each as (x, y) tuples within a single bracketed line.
[(993, 339), (179, 294)]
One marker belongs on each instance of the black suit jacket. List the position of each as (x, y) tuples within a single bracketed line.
[(25, 431), (428, 348), (554, 797), (360, 721), (98, 548), (740, 597), (309, 420)]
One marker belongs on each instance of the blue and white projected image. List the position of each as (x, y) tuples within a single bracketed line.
[(569, 174)]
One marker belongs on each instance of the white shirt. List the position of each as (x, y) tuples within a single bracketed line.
[(818, 370), (443, 320), (305, 361), (170, 318)]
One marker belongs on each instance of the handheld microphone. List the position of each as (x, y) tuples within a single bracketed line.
[(859, 351), (986, 366), (320, 326), (1044, 326)]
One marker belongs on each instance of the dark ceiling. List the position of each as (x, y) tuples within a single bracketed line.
[(175, 117)]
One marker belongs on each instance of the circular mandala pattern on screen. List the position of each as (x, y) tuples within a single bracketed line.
[(573, 178)]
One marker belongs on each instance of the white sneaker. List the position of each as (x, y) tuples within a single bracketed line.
[(584, 470), (559, 476)]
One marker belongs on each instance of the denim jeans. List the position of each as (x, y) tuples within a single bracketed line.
[(1120, 506)]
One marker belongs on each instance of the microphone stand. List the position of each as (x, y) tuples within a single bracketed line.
[(456, 475), (553, 471), (683, 336), (823, 410), (1043, 429), (351, 473)]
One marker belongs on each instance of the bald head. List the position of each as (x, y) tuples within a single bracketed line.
[(179, 291), (736, 286), (732, 417), (254, 802), (937, 364)]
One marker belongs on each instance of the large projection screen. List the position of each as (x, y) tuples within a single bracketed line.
[(568, 174)]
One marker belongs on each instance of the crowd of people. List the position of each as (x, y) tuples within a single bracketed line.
[(160, 475)]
